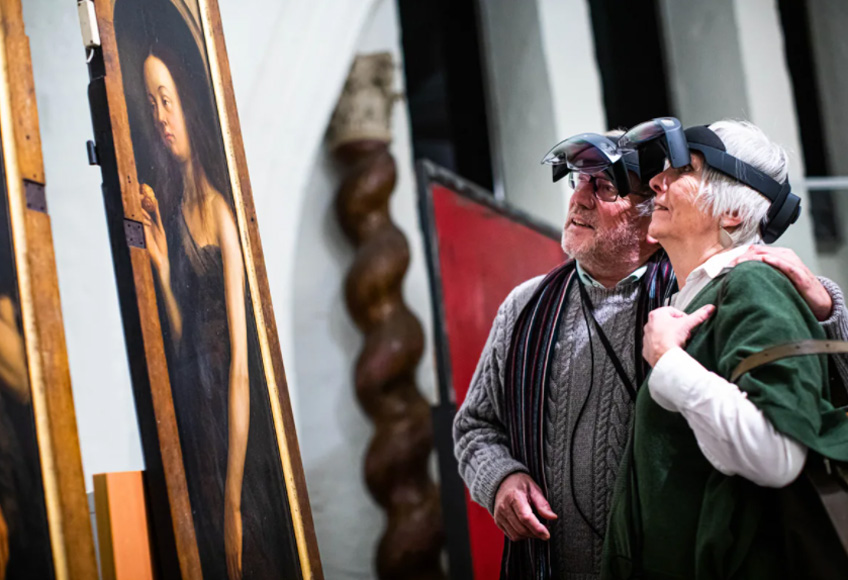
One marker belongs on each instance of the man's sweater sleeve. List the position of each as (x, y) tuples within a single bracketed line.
[(836, 327), (481, 441)]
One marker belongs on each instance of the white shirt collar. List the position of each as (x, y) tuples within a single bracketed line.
[(704, 274), (631, 277)]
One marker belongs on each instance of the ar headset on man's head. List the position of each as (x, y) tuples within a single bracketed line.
[(667, 135), (593, 154)]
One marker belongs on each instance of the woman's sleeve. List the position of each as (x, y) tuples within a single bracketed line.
[(732, 433), (758, 308)]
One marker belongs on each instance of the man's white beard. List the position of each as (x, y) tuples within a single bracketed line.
[(618, 245)]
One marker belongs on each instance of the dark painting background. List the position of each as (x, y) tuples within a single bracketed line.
[(21, 489)]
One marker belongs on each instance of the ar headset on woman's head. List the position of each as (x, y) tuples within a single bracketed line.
[(667, 135)]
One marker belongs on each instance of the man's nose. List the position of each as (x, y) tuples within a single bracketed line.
[(584, 195)]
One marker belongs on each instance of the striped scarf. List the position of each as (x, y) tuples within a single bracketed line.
[(527, 375)]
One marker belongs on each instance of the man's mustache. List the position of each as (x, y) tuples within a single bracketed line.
[(582, 218)]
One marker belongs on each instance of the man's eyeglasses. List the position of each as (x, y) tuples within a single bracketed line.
[(602, 187)]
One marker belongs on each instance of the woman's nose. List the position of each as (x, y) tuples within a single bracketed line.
[(658, 183)]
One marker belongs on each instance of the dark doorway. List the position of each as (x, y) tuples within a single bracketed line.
[(629, 48), (444, 86)]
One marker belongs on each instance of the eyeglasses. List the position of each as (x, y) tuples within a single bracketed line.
[(591, 154), (602, 187)]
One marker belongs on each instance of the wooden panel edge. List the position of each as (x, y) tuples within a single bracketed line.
[(49, 370), (151, 333), (104, 526), (264, 291)]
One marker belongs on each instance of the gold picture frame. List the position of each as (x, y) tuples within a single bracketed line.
[(151, 189)]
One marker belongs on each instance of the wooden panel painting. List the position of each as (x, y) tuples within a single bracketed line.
[(179, 203), (45, 530), (24, 534)]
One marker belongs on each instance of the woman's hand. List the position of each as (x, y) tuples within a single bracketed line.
[(154, 231), (668, 328), (805, 282), (233, 534)]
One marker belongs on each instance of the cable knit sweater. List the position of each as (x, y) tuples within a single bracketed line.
[(582, 377)]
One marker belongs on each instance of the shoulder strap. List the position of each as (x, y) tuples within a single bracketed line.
[(799, 348), (829, 479)]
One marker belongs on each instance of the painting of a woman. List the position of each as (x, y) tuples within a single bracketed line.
[(232, 465), (24, 536)]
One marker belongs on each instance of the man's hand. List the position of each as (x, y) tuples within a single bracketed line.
[(788, 262), (668, 328), (517, 495)]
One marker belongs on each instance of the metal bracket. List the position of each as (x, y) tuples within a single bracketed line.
[(88, 24), (35, 197), (134, 233), (91, 149)]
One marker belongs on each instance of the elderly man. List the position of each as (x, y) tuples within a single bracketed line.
[(542, 431)]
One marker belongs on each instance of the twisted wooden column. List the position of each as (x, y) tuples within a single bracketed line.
[(397, 458)]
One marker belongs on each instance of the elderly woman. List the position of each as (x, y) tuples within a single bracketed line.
[(696, 496)]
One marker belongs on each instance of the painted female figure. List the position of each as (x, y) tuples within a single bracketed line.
[(220, 397), (24, 534)]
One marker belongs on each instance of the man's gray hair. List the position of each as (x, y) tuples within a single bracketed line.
[(720, 194)]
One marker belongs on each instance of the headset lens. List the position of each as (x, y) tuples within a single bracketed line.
[(585, 152), (647, 131)]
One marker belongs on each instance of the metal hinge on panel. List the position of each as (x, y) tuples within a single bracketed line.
[(35, 198), (88, 24), (134, 233)]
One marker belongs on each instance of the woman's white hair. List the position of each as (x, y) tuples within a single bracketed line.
[(722, 195)]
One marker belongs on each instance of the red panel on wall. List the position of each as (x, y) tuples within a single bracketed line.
[(482, 249)]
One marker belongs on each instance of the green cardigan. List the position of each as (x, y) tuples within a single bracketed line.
[(673, 514)]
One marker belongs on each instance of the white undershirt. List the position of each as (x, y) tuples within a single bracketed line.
[(733, 434)]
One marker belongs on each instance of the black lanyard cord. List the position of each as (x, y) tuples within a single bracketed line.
[(619, 368)]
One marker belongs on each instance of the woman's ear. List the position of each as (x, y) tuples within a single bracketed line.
[(729, 221)]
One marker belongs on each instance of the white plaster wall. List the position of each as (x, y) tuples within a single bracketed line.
[(830, 51), (572, 67), (772, 106), (522, 123), (544, 86), (289, 60), (575, 81), (726, 60), (99, 373), (334, 432)]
